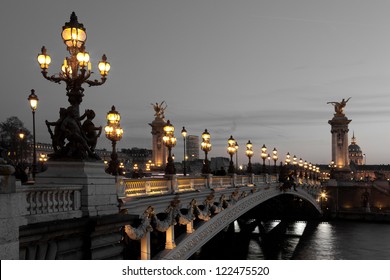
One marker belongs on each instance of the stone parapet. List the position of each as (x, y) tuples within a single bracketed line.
[(98, 189), (12, 209)]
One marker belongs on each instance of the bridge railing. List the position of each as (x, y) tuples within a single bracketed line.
[(48, 203), (152, 186), (144, 186)]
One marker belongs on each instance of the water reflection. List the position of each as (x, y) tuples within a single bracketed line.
[(326, 241)]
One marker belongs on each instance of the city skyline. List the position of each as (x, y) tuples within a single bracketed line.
[(257, 70)]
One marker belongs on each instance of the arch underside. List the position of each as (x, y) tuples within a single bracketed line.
[(194, 241)]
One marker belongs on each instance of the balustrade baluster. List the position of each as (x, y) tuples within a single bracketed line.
[(71, 200), (28, 199), (50, 201), (44, 202), (66, 200), (55, 201), (61, 201)]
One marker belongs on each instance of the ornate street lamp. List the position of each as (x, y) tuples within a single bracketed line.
[(275, 158), (114, 133), (184, 134), (21, 135), (294, 163), (264, 156), (300, 164), (236, 146), (206, 147), (169, 141), (33, 99), (305, 167), (75, 72), (231, 149), (288, 159), (310, 168), (332, 166), (269, 163), (249, 154)]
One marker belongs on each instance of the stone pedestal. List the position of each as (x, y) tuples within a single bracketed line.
[(339, 130), (159, 152), (12, 209), (98, 194)]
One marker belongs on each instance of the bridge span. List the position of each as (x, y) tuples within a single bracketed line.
[(204, 208)]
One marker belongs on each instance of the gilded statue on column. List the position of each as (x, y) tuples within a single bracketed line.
[(339, 106), (159, 109)]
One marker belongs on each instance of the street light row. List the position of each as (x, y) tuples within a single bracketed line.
[(232, 148), (76, 71), (300, 167)]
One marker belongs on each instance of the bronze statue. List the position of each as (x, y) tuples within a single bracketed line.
[(81, 138), (339, 106), (90, 130), (159, 109), (57, 138)]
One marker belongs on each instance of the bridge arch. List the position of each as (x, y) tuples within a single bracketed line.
[(194, 241)]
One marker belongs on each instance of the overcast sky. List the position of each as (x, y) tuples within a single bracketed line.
[(258, 70)]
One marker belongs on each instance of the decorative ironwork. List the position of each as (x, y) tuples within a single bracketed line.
[(70, 138)]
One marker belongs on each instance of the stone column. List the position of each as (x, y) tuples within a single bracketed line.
[(12, 209), (190, 227), (170, 238), (339, 130), (159, 151), (145, 247)]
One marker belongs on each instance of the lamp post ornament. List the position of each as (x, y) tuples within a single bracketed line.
[(70, 138)]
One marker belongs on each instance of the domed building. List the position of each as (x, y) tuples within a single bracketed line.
[(354, 152)]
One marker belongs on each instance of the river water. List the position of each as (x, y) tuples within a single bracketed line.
[(339, 240)]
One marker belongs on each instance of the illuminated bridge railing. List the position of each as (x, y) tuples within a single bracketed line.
[(158, 186)]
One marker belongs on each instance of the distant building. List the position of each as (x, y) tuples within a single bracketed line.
[(138, 156), (217, 163), (192, 149), (355, 153)]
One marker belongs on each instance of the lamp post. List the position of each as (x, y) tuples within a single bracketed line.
[(249, 154), (294, 163), (114, 133), (169, 141), (33, 99), (206, 147), (236, 146), (231, 149), (275, 158), (300, 164), (310, 168), (184, 134), (288, 159), (75, 72), (21, 135), (264, 156), (269, 163), (305, 167), (332, 166)]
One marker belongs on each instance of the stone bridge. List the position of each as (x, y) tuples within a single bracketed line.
[(215, 202), (101, 216)]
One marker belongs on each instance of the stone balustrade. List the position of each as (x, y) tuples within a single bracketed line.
[(52, 203), (158, 186)]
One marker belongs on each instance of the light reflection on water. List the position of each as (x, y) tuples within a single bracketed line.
[(333, 240)]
